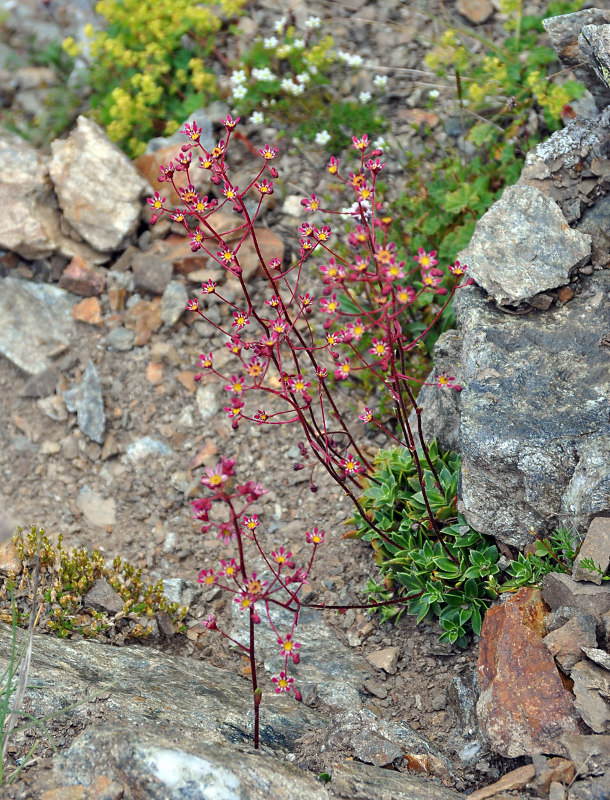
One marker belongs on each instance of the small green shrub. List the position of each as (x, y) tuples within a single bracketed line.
[(454, 575), (68, 574), (451, 576), (509, 98), (148, 68)]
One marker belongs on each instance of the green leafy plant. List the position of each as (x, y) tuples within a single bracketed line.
[(68, 574), (555, 553), (449, 573), (148, 68), (508, 98)]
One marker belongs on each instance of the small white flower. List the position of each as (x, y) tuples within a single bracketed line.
[(239, 92), (358, 208), (298, 44), (312, 23), (380, 81), (257, 118), (290, 86), (283, 51), (313, 70), (263, 74), (364, 97), (433, 94), (238, 77), (279, 24), (270, 42), (322, 138), (380, 143), (303, 77)]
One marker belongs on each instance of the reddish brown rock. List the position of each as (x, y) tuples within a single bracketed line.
[(80, 278), (154, 373), (523, 707), (88, 310), (145, 319)]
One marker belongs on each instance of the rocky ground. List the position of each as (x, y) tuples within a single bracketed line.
[(119, 478)]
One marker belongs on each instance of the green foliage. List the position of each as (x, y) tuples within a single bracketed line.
[(501, 91), (68, 574), (451, 576), (556, 553), (148, 67)]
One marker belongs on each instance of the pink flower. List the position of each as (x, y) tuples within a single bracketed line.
[(210, 622), (268, 153), (282, 558), (229, 568), (362, 143), (288, 648), (283, 683), (315, 537), (457, 268), (264, 187), (445, 381), (311, 203), (229, 123), (156, 202), (207, 576), (192, 131), (351, 465), (425, 260), (367, 416), (240, 320), (215, 478), (251, 523), (342, 370)]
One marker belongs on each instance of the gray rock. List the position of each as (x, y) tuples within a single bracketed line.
[(591, 687), (441, 407), (120, 339), (565, 643), (559, 590), (325, 662), (147, 690), (564, 33), (594, 221), (596, 546), (41, 385), (98, 188), (468, 740), (535, 413), (98, 511), (354, 781), (208, 401), (165, 767), (600, 657), (381, 742), (594, 43), (152, 273), (88, 403), (173, 302), (184, 593), (35, 323), (146, 447), (523, 246), (102, 597), (29, 224)]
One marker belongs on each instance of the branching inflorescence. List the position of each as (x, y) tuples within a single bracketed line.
[(366, 292)]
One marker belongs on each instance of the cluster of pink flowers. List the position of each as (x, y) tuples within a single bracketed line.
[(362, 335), (251, 592)]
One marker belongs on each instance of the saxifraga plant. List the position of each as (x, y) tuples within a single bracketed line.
[(282, 357)]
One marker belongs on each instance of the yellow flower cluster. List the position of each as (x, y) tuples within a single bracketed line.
[(143, 73)]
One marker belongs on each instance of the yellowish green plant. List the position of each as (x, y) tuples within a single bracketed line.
[(67, 574), (148, 68)]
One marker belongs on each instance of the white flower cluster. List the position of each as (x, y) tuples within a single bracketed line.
[(350, 59), (257, 118), (270, 42), (292, 87), (238, 79), (380, 81), (322, 137), (312, 23), (263, 74)]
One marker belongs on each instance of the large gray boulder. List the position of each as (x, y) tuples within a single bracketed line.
[(535, 413)]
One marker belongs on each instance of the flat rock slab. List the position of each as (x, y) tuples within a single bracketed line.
[(164, 767), (560, 590), (35, 323), (596, 546), (535, 413), (523, 707), (522, 246), (363, 782), (144, 687)]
